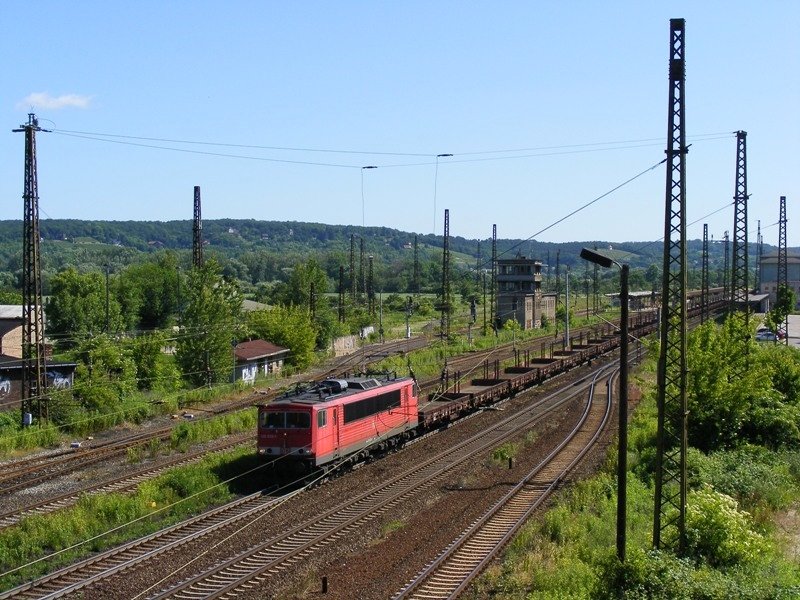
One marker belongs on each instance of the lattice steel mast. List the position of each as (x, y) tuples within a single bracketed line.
[(197, 232), (783, 268), (670, 480), (445, 318), (704, 276), (739, 273), (353, 278), (34, 380), (493, 288)]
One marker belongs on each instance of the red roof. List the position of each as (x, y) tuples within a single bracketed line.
[(255, 349)]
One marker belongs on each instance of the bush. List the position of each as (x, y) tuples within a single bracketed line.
[(717, 532)]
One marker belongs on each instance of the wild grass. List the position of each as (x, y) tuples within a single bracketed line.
[(99, 521), (734, 551)]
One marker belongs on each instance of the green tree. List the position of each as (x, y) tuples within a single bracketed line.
[(784, 305), (287, 326), (210, 324), (77, 306), (106, 373), (298, 289), (155, 370), (151, 289)]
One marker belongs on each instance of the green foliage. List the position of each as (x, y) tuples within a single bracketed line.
[(106, 374), (166, 499), (210, 324), (155, 370), (77, 306), (718, 533), (758, 479), (785, 302), (149, 291), (9, 296), (731, 401), (198, 432), (504, 452), (289, 327)]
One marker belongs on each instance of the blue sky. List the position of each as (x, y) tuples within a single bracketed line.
[(581, 86)]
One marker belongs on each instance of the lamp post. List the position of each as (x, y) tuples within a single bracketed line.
[(622, 456)]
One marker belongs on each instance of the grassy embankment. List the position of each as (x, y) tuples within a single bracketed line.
[(100, 521), (736, 549)]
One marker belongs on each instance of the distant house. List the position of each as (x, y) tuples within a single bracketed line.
[(257, 357), (11, 330)]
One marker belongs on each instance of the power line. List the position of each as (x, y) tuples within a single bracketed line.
[(542, 151)]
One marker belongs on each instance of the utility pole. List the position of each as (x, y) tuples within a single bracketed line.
[(362, 276), (353, 278), (478, 267), (415, 281), (34, 380), (370, 288), (493, 290), (670, 477), (704, 283), (445, 318), (341, 294), (759, 256), (197, 232), (783, 269), (558, 277), (595, 289), (566, 313), (726, 265)]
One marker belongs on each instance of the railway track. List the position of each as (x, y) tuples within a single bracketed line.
[(120, 484), (466, 557), (30, 472), (287, 548)]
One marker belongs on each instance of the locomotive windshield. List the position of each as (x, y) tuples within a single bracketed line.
[(286, 420)]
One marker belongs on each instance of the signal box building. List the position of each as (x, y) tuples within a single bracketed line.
[(769, 276), (519, 293)]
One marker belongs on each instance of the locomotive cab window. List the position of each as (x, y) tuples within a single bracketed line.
[(322, 418), (273, 420), (298, 420)]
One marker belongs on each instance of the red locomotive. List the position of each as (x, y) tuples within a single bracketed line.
[(338, 419)]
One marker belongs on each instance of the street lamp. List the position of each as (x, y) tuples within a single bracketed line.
[(622, 456)]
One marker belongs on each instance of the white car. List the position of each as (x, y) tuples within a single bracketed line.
[(765, 335)]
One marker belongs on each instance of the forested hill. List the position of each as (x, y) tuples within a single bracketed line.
[(247, 234), (263, 251)]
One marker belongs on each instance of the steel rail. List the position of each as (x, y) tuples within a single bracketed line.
[(466, 557), (115, 560), (279, 553), (95, 569), (120, 484)]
